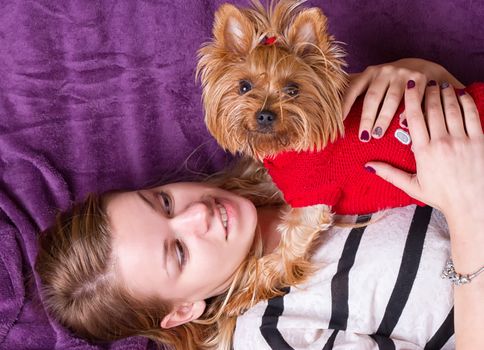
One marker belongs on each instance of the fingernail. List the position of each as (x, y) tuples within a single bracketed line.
[(410, 84), (461, 92), (370, 169), (378, 131), (444, 85), (432, 83), (365, 136), (403, 120)]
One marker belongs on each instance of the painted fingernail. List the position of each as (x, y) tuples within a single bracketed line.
[(461, 92), (432, 83), (378, 131), (370, 169), (444, 85), (410, 84), (365, 136)]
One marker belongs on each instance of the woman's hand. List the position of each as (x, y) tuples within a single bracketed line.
[(449, 153), (385, 85)]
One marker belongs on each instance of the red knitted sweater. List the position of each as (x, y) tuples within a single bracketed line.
[(336, 176)]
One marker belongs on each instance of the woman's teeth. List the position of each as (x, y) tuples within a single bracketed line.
[(223, 214)]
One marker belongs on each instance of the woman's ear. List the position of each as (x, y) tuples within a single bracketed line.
[(183, 313)]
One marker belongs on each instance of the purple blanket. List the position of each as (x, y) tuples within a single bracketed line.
[(97, 95)]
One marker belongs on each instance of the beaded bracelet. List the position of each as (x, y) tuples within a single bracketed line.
[(456, 278)]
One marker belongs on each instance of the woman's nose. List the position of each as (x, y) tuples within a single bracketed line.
[(195, 219)]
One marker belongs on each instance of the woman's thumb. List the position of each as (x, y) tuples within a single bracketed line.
[(399, 178)]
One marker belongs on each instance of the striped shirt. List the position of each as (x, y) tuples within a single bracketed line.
[(378, 287)]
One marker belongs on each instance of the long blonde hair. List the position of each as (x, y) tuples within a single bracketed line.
[(81, 291)]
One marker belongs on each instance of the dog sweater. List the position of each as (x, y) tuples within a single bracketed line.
[(336, 175)]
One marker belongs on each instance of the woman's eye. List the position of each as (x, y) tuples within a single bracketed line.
[(292, 90), (166, 202), (244, 87), (180, 253)]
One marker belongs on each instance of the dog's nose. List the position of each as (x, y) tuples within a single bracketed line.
[(265, 118)]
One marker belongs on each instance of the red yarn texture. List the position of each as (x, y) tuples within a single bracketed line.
[(336, 175)]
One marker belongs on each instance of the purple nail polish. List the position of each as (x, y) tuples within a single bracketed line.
[(410, 84), (461, 92), (370, 169), (378, 131), (365, 136), (444, 85), (432, 83)]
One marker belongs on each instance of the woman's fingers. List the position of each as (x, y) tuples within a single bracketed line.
[(371, 103), (444, 159), (453, 115), (397, 177), (390, 105), (391, 100), (415, 119), (471, 115), (358, 85), (434, 111)]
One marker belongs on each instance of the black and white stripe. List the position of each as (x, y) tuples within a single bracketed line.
[(268, 328), (374, 290), (339, 284), (408, 270), (330, 343), (443, 334)]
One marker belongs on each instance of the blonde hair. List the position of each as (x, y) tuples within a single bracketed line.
[(80, 288)]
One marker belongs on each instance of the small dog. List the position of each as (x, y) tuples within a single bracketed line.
[(272, 90), (271, 79)]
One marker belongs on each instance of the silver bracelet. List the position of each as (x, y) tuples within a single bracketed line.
[(457, 278)]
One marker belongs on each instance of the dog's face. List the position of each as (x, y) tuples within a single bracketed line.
[(272, 80)]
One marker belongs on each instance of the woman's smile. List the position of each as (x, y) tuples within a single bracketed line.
[(227, 215), (198, 223)]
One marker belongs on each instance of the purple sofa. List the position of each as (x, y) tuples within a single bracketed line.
[(101, 94)]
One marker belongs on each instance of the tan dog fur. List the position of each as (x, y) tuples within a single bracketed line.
[(299, 80)]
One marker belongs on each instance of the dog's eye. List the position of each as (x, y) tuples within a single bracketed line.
[(292, 90), (244, 87)]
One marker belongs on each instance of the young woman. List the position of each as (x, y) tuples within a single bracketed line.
[(171, 262)]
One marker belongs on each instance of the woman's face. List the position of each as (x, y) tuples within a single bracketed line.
[(182, 241)]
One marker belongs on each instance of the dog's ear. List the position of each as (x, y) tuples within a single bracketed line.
[(233, 30), (308, 31)]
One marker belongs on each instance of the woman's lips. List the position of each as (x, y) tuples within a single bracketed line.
[(230, 214), (223, 214)]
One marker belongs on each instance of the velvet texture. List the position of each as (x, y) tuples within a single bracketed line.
[(97, 95)]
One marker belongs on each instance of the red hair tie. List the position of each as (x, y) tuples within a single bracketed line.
[(269, 40)]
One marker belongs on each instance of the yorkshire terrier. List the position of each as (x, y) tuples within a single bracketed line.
[(272, 83)]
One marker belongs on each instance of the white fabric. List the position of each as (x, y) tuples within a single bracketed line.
[(304, 323)]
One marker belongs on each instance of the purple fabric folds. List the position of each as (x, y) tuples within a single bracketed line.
[(98, 95)]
